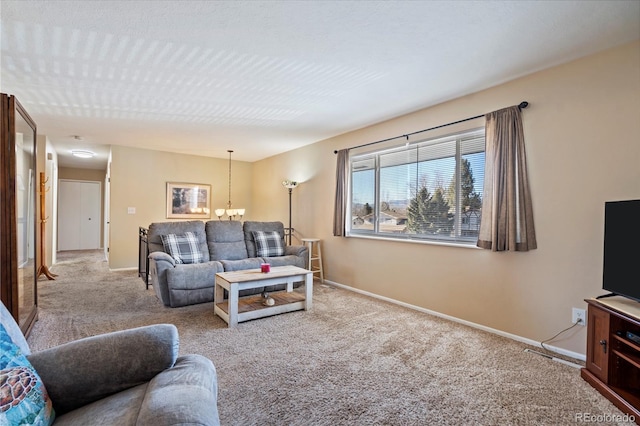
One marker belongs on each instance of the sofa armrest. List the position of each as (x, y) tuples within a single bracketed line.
[(299, 251), (89, 369), (159, 263), (160, 256)]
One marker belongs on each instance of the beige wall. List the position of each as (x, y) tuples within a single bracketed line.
[(81, 174), (50, 168), (139, 179), (582, 132)]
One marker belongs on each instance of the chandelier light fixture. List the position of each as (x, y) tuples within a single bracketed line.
[(290, 185), (231, 212)]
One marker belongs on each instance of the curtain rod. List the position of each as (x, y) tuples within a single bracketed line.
[(521, 106)]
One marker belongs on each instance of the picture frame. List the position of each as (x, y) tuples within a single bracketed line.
[(188, 200)]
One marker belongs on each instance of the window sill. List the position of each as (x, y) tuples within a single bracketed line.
[(469, 245)]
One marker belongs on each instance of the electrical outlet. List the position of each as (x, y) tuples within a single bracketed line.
[(578, 315)]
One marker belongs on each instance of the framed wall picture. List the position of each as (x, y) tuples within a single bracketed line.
[(188, 201)]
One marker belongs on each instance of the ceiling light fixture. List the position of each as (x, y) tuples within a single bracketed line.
[(81, 153), (232, 213)]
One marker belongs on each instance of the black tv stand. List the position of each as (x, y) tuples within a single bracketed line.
[(604, 296)]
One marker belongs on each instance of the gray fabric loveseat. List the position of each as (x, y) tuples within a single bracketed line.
[(185, 256), (130, 377)]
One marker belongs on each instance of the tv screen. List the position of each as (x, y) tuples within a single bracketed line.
[(621, 253)]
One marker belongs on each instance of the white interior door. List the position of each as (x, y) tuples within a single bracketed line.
[(107, 200), (78, 215)]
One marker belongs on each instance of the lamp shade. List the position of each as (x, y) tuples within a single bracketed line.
[(289, 184)]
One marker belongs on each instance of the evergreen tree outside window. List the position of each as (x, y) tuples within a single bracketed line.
[(429, 190)]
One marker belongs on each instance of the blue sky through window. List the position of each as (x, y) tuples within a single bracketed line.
[(398, 183)]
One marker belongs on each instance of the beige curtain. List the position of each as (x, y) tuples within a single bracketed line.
[(507, 216), (339, 214)]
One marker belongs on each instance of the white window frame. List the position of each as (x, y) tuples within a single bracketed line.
[(374, 156)]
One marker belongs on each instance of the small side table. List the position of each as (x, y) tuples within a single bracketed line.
[(314, 243)]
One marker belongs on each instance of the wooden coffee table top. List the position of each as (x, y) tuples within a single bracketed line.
[(257, 274)]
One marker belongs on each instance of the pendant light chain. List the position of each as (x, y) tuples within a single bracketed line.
[(229, 204), (232, 213)]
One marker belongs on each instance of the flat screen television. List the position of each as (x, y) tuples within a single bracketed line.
[(621, 269)]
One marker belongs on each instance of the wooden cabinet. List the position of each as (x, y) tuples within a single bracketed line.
[(17, 212), (613, 359), (598, 342)]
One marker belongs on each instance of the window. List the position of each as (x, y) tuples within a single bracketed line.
[(429, 190)]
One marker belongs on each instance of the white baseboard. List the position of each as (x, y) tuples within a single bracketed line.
[(135, 268), (561, 351)]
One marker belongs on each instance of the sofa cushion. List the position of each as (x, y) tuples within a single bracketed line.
[(183, 248), (183, 395), (23, 397), (225, 240), (268, 244), (241, 265), (121, 408), (157, 229), (250, 226)]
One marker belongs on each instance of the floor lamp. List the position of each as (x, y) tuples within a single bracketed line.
[(289, 184)]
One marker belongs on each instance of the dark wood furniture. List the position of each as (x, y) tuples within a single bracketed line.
[(18, 204), (143, 255), (613, 359)]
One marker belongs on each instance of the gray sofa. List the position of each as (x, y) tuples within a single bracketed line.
[(224, 246), (130, 377)]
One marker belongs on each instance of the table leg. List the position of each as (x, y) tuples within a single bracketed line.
[(308, 290), (218, 296), (233, 304)]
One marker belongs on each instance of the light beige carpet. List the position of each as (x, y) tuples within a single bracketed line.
[(352, 360)]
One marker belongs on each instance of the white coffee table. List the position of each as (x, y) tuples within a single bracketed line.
[(234, 310)]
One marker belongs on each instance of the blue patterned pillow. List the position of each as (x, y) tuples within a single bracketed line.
[(23, 398), (183, 248), (268, 244)]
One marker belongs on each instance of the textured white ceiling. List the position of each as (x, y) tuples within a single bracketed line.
[(261, 78)]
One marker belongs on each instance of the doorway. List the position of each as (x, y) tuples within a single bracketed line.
[(79, 217)]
